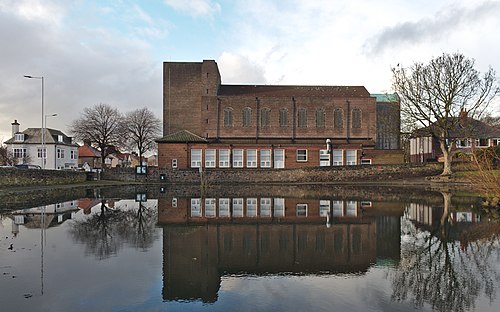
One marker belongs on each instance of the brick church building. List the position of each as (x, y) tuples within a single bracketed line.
[(207, 124)]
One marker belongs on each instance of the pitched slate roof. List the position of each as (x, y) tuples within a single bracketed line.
[(34, 136), (289, 91), (468, 128), (182, 136)]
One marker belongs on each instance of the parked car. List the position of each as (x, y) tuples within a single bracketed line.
[(28, 166)]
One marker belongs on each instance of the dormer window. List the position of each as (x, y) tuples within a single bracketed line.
[(19, 137), (60, 138)]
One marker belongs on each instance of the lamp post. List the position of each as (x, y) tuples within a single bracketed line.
[(329, 151), (43, 124), (44, 151)]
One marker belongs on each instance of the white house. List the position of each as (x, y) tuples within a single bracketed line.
[(59, 151)]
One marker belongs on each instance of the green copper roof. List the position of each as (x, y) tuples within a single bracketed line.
[(385, 97), (181, 136)]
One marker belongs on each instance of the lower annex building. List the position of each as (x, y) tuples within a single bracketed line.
[(207, 124)]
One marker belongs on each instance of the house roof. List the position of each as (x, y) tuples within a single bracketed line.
[(386, 97), (182, 136), (88, 151), (34, 136), (467, 128), (289, 91)]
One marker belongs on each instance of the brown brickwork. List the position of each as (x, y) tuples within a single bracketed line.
[(195, 100)]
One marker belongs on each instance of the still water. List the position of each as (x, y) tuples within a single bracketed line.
[(259, 248)]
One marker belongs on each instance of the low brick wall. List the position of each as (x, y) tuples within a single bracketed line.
[(28, 177), (300, 175)]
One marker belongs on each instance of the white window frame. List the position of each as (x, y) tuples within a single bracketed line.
[(238, 207), (478, 143), (338, 157), (210, 207), (324, 158), (301, 155), (174, 202), (279, 207), (210, 158), (324, 208), (351, 159), (352, 208), (279, 158), (224, 158), (196, 157), (19, 137), (463, 143), (19, 152), (366, 161), (265, 158), (251, 158), (337, 208), (301, 210), (265, 207), (195, 207), (174, 163), (60, 153), (495, 141), (39, 152), (238, 158), (224, 207), (251, 207)]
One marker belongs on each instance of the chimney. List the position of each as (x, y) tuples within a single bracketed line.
[(15, 127), (462, 117)]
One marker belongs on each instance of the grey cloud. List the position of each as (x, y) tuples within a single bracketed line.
[(438, 26)]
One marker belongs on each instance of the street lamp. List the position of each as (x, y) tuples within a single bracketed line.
[(43, 124), (329, 151)]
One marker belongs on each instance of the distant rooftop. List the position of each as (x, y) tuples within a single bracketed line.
[(274, 90)]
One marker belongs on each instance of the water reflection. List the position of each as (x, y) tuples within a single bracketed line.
[(109, 224), (269, 236), (449, 258), (330, 248)]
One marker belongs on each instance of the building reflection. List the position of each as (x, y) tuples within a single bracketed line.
[(206, 238)]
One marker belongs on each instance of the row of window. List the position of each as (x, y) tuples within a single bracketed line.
[(463, 143), (42, 153), (265, 118), (239, 158), (267, 207)]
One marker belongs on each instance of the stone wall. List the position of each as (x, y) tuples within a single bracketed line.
[(27, 177), (300, 175)]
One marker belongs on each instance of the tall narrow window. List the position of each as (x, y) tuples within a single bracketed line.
[(238, 158), (265, 158), (338, 118), (228, 117), (247, 117), (350, 157), (196, 158), (302, 122), (356, 118), (320, 118), (210, 158), (283, 117), (251, 158), (224, 158), (265, 118), (337, 158)]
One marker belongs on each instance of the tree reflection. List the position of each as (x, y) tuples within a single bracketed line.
[(439, 270), (106, 231)]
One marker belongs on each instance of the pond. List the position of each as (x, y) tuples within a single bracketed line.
[(250, 248)]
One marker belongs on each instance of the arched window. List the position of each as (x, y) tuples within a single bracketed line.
[(356, 118), (228, 117), (338, 118), (265, 117), (320, 118), (283, 117), (302, 122), (247, 117)]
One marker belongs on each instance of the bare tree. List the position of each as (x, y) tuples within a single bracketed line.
[(6, 157), (142, 128), (101, 124), (433, 95)]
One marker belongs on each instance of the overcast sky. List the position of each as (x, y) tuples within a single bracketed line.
[(96, 51)]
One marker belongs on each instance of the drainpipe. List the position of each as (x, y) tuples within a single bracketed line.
[(348, 120), (294, 120), (257, 128), (218, 119)]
